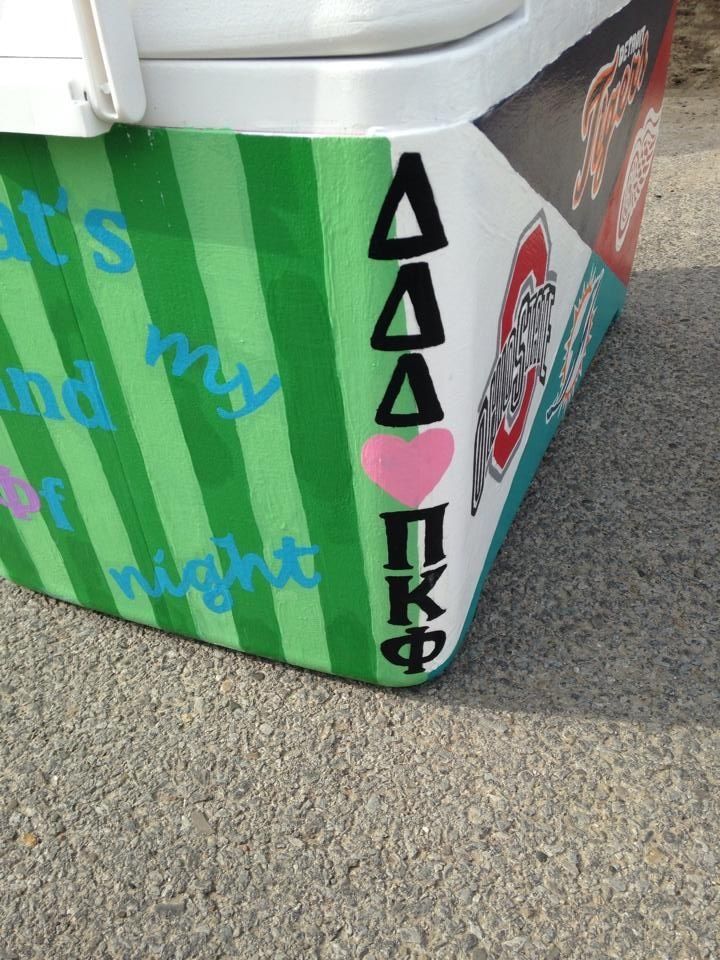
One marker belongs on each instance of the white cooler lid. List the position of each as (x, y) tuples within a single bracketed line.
[(75, 67), (322, 67), (229, 29)]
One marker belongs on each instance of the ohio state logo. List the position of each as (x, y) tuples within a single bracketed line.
[(520, 364)]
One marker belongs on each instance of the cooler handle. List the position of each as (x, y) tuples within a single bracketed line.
[(116, 89)]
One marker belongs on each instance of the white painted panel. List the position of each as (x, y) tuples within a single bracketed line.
[(485, 207), (38, 28)]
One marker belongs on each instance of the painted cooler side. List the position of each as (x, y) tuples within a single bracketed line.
[(285, 394), (567, 159), (206, 297)]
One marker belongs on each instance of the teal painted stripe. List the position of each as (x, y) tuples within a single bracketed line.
[(282, 187), (151, 200)]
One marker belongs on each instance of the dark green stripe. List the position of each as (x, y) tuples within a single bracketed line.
[(150, 198), (78, 331), (15, 555), (36, 451), (282, 188), (31, 437)]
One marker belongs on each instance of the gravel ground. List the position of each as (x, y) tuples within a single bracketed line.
[(554, 796)]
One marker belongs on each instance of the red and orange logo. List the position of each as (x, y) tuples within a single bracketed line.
[(613, 89)]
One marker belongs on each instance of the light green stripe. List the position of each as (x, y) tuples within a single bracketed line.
[(220, 222), (353, 179), (76, 451), (282, 192), (36, 536), (121, 304)]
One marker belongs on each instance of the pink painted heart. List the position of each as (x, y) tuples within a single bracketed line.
[(408, 469)]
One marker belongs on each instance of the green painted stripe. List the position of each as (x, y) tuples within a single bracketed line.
[(353, 179), (150, 197), (37, 547), (38, 448), (16, 562), (120, 451), (282, 188), (221, 229), (100, 539), (153, 418), (77, 331), (61, 448), (32, 439)]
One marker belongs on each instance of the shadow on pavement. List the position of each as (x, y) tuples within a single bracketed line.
[(604, 599)]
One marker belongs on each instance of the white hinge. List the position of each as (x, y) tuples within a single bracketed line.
[(116, 89), (69, 96)]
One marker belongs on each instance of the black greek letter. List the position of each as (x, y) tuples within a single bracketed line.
[(410, 181), (402, 597), (415, 642), (397, 525), (413, 279), (411, 367)]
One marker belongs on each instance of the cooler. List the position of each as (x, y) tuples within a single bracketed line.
[(293, 298)]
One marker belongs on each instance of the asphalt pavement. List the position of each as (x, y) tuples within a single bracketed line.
[(554, 796)]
